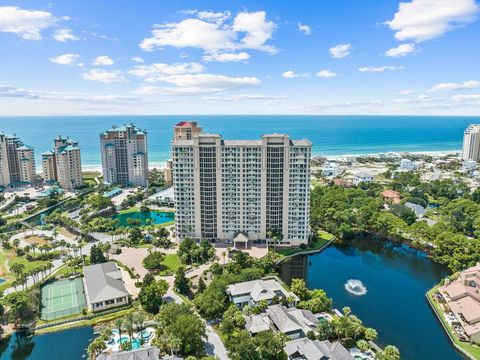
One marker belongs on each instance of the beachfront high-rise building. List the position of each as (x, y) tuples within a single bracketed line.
[(242, 190), (63, 163), (167, 173), (471, 143), (186, 130), (17, 161), (125, 156)]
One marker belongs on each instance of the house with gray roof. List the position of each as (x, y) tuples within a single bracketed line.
[(419, 210), (293, 322), (306, 349), (104, 287), (251, 292), (144, 353)]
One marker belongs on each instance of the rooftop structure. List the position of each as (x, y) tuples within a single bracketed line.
[(407, 165), (419, 210), (362, 177), (104, 287), (306, 349), (143, 353), (251, 292), (186, 130), (391, 196)]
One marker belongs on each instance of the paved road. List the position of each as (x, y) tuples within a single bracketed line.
[(214, 345)]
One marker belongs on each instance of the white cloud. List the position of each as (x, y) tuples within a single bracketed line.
[(242, 97), (247, 30), (191, 84), (25, 23), (158, 72), (137, 59), (103, 76), (407, 92), (14, 92), (307, 30), (290, 74), (102, 61), (466, 98), (65, 59), (340, 51), (326, 74), (226, 57), (400, 50), (422, 20), (469, 84), (64, 35), (379, 69)]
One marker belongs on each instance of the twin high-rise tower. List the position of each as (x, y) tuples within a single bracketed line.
[(241, 189)]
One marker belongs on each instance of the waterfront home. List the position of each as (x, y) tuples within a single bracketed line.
[(419, 210), (293, 322), (306, 349), (462, 298), (391, 196), (104, 287), (469, 165), (251, 292), (362, 177), (144, 353)]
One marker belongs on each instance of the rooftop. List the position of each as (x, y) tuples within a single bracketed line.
[(316, 350), (104, 282)]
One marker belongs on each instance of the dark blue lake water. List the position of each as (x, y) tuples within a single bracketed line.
[(396, 279), (65, 345)]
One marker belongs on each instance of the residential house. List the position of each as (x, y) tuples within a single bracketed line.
[(104, 288), (419, 210), (391, 196), (251, 292), (293, 322), (306, 349), (462, 298), (362, 177), (143, 353), (407, 165)]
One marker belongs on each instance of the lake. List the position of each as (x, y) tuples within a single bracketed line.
[(395, 279), (69, 344)]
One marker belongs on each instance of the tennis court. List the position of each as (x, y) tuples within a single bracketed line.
[(62, 298)]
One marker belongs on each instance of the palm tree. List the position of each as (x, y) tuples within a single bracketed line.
[(223, 256), (140, 319), (118, 323), (55, 233)]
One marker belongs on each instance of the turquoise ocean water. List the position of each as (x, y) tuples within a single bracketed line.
[(331, 135)]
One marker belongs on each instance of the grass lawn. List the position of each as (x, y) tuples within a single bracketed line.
[(323, 238), (129, 210), (171, 263), (472, 349)]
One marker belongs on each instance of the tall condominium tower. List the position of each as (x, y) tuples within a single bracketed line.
[(125, 156), (63, 163), (17, 161), (471, 143), (242, 189), (186, 130)]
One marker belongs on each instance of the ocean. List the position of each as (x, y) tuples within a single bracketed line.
[(331, 135)]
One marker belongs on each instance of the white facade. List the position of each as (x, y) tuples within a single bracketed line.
[(124, 156), (227, 187), (26, 164), (471, 143), (362, 177), (330, 169), (407, 165)]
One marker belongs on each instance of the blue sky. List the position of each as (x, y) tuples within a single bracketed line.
[(240, 57)]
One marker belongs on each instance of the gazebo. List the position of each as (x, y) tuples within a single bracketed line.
[(240, 238)]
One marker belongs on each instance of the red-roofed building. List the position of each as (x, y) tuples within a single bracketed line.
[(391, 196), (186, 130)]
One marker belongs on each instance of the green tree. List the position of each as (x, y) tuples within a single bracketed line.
[(389, 353), (181, 283), (299, 288), (96, 255), (151, 295), (154, 261)]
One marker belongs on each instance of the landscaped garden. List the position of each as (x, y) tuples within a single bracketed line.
[(320, 241)]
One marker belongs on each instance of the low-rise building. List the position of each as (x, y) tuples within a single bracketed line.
[(293, 322), (462, 297), (419, 210), (251, 292), (330, 169), (362, 177), (306, 349), (143, 353), (104, 287), (407, 165), (391, 196)]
